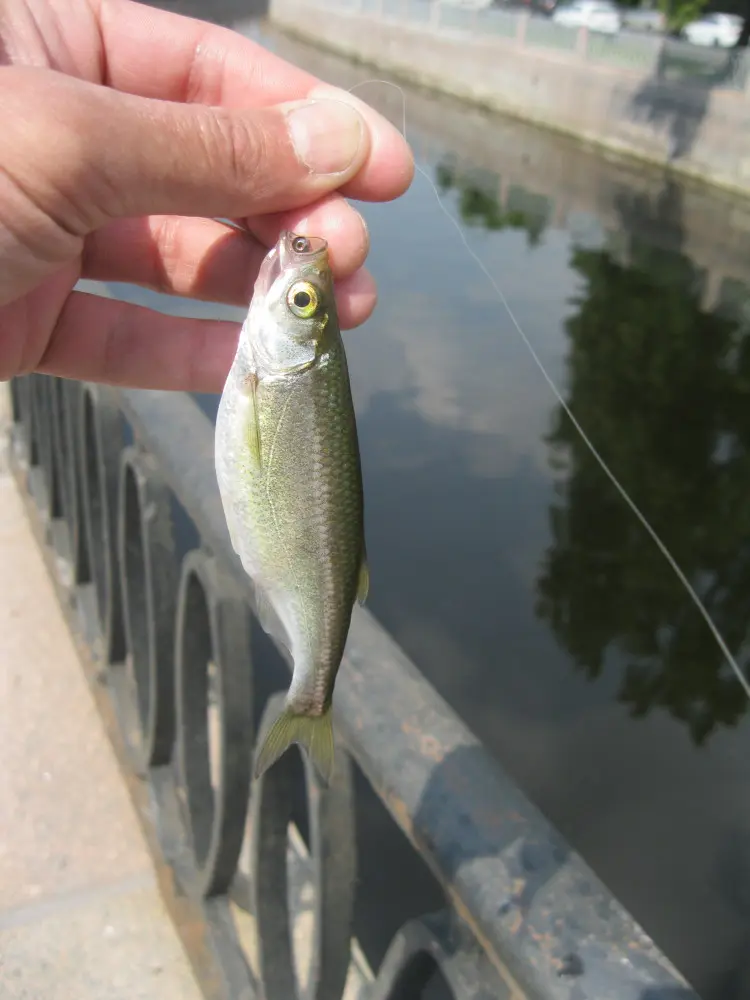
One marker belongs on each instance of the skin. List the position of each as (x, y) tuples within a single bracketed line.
[(118, 122)]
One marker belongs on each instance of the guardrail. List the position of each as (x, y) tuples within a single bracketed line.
[(671, 59), (121, 490)]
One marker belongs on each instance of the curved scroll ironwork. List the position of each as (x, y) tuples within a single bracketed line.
[(333, 857), (25, 411), (432, 946), (525, 916), (100, 440), (66, 416), (64, 461), (212, 664), (49, 460), (15, 400), (149, 577)]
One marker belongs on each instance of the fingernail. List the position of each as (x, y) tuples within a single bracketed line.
[(327, 135)]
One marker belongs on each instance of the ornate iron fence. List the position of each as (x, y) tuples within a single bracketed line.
[(121, 491)]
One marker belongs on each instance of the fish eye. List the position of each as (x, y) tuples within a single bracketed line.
[(302, 299), (300, 244)]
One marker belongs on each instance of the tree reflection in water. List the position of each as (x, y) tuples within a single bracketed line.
[(664, 388), (479, 205)]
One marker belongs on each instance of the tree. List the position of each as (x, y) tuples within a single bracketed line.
[(744, 37), (678, 13)]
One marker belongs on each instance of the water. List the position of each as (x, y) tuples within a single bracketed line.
[(503, 560)]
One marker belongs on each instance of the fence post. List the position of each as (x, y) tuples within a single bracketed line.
[(582, 42), (435, 15), (521, 26), (744, 64)]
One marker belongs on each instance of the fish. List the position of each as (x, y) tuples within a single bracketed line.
[(289, 472)]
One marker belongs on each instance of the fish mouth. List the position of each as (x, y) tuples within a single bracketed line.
[(268, 272), (296, 249), (292, 251)]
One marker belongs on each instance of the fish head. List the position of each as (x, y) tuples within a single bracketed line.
[(293, 307)]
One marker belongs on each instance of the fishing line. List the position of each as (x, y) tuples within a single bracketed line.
[(569, 413)]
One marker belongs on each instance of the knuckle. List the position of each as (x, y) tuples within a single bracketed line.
[(61, 183), (237, 148)]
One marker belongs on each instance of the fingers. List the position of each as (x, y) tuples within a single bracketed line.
[(154, 53), (102, 340), (357, 297), (389, 168), (203, 259), (113, 155), (157, 53), (194, 258), (333, 218), (116, 155)]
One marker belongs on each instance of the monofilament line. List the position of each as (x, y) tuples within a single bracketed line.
[(569, 413)]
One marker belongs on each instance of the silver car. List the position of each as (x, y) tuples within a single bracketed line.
[(643, 19)]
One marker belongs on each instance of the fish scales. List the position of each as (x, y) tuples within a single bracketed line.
[(288, 466)]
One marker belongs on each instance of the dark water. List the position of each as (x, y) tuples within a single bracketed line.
[(502, 558)]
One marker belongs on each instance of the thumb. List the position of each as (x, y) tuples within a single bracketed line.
[(82, 154)]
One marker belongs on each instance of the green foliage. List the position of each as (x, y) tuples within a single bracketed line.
[(680, 12)]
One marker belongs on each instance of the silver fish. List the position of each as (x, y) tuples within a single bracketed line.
[(288, 468)]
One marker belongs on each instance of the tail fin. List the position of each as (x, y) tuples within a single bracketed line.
[(313, 732)]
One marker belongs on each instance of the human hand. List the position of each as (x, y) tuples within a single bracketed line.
[(124, 129)]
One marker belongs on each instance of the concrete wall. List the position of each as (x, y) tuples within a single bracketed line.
[(566, 182), (693, 128)]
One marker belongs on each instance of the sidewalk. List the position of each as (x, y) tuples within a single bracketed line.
[(80, 913)]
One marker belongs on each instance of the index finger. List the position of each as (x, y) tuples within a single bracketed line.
[(155, 53)]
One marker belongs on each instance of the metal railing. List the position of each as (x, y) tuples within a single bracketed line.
[(668, 58), (121, 490)]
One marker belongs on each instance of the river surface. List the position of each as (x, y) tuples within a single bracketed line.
[(503, 559)]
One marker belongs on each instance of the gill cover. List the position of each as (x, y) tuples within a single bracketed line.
[(292, 300)]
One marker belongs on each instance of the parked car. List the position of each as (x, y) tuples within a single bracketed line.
[(643, 19), (714, 29), (544, 7), (471, 4), (596, 15)]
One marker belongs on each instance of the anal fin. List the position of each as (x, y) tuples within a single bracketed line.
[(270, 620), (363, 582)]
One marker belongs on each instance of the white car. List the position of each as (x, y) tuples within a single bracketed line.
[(471, 4), (714, 29), (596, 15)]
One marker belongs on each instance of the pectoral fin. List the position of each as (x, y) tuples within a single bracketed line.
[(252, 421)]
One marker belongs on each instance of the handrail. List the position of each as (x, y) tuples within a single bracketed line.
[(525, 916)]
